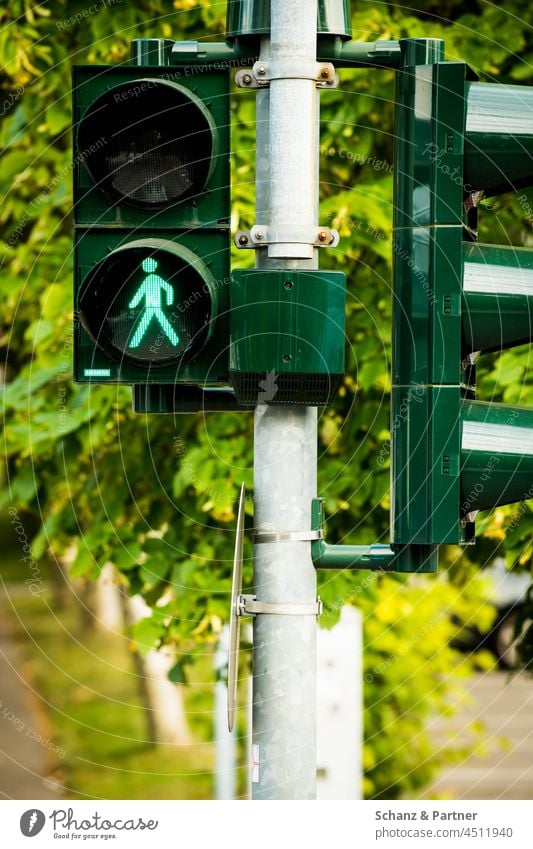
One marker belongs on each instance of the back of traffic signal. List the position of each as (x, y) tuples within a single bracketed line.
[(457, 141)]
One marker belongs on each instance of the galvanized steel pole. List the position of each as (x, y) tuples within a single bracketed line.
[(284, 653)]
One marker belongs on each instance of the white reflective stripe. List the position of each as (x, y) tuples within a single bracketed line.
[(497, 438), (498, 122), (497, 109), (497, 279)]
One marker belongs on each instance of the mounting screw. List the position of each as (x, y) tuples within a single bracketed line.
[(259, 236), (261, 71), (288, 284), (243, 240), (323, 236), (324, 73), (287, 358), (247, 79)]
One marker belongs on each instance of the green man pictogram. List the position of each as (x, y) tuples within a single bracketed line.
[(151, 290)]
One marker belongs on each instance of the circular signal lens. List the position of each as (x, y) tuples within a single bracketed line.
[(148, 143), (148, 303)]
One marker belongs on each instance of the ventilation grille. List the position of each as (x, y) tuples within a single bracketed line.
[(310, 390)]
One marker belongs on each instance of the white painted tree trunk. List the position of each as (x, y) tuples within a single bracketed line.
[(108, 609), (164, 699)]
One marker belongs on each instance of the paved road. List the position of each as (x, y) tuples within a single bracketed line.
[(505, 771), (26, 753)]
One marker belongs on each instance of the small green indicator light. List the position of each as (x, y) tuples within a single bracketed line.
[(97, 372), (151, 290)]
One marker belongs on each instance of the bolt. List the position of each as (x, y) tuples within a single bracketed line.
[(288, 284), (247, 79), (324, 73), (261, 71), (259, 235), (287, 358), (323, 236), (243, 240)]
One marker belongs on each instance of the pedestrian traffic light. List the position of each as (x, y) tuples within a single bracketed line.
[(457, 140), (151, 191)]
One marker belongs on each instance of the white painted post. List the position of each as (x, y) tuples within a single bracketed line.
[(225, 741), (340, 708)]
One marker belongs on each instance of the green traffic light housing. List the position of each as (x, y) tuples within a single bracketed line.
[(152, 206), (149, 302), (452, 455), (454, 299)]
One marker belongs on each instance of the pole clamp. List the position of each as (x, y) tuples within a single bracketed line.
[(247, 605), (263, 72), (263, 537), (263, 235)]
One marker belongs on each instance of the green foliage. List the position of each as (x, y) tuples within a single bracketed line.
[(156, 495)]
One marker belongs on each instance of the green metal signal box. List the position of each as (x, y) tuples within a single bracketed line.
[(287, 335)]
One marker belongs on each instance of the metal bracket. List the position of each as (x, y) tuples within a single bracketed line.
[(260, 76), (262, 537), (247, 605), (261, 236), (185, 49)]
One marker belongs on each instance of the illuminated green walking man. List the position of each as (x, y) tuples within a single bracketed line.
[(151, 290)]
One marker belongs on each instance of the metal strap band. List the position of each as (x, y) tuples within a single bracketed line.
[(261, 537), (247, 605)]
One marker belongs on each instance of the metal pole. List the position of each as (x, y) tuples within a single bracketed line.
[(284, 647)]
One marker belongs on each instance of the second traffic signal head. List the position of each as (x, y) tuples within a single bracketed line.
[(455, 299)]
